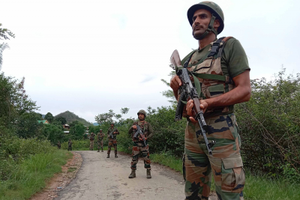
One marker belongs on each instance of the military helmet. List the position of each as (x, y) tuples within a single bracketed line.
[(142, 112), (210, 6)]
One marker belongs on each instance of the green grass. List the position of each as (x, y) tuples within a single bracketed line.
[(258, 187), (31, 175)]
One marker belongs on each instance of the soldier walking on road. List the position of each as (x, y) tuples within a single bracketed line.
[(112, 139), (69, 145), (140, 147), (92, 138), (100, 137), (220, 69)]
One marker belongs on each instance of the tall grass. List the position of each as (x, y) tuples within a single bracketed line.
[(31, 175)]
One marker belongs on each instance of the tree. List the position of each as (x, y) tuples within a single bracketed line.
[(62, 120), (13, 101), (4, 35), (28, 126), (49, 117), (169, 93), (109, 117), (77, 130)]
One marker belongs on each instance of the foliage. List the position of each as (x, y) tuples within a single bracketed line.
[(270, 125), (14, 150), (14, 103), (61, 120), (30, 176), (168, 134), (111, 116), (77, 130), (49, 117), (54, 133), (5, 33), (28, 126)]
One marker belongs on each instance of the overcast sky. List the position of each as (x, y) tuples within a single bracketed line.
[(89, 56)]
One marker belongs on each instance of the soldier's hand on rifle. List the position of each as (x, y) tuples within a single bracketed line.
[(189, 108), (134, 127), (175, 83)]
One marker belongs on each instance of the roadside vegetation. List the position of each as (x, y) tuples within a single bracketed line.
[(269, 127)]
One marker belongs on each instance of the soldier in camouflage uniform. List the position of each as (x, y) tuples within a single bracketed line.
[(69, 145), (100, 137), (139, 148), (112, 139), (58, 145), (92, 138), (224, 81)]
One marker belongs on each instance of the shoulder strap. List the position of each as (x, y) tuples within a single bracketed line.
[(187, 59)]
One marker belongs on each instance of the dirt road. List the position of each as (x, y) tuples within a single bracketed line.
[(107, 178)]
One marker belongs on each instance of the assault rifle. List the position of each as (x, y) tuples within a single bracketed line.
[(139, 131), (111, 135), (188, 91)]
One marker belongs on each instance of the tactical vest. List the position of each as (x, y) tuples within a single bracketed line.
[(208, 70)]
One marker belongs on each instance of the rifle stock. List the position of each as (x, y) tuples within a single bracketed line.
[(188, 91)]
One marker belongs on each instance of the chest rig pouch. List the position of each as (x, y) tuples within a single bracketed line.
[(211, 80)]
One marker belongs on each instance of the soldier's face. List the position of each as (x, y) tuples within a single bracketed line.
[(111, 125), (141, 117), (201, 19)]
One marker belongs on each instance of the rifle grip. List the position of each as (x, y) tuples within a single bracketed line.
[(179, 108)]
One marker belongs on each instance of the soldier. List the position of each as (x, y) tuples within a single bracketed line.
[(92, 138), (221, 66), (58, 145), (70, 145), (140, 147), (100, 137), (112, 137)]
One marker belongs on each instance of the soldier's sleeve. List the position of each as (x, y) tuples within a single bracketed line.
[(117, 131), (150, 131), (131, 129)]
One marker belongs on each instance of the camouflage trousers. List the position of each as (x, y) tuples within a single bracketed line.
[(69, 148), (139, 150), (91, 144), (225, 163), (100, 144), (112, 142)]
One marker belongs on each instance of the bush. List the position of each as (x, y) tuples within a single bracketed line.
[(270, 125)]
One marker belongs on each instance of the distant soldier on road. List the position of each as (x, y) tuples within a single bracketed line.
[(92, 138), (112, 137), (70, 145), (100, 137), (140, 146), (58, 145)]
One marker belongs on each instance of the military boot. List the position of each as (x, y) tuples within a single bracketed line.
[(116, 154), (102, 149), (132, 175), (148, 173), (107, 155)]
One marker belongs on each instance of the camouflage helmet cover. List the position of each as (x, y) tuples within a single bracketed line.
[(142, 112), (210, 6)]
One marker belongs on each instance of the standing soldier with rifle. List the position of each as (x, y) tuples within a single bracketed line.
[(92, 138), (140, 132), (219, 72), (112, 137), (100, 137)]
